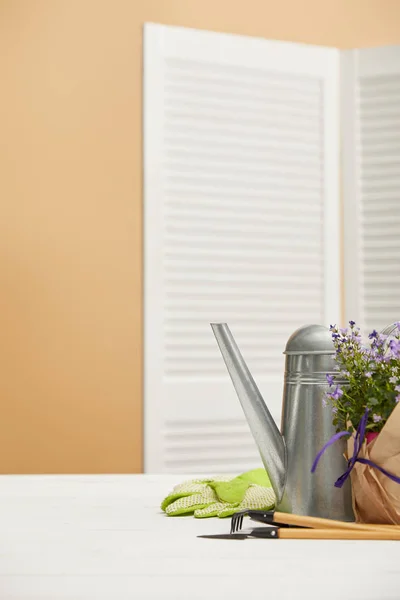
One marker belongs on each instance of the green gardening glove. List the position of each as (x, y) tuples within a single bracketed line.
[(222, 496)]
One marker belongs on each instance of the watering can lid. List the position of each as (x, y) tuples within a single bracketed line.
[(310, 339)]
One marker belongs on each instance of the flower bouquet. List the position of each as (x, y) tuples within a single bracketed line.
[(365, 393)]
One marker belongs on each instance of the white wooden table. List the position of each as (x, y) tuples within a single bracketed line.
[(70, 537)]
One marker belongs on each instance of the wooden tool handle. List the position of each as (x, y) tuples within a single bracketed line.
[(337, 534), (318, 523)]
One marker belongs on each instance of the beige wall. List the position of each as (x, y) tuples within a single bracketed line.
[(71, 209)]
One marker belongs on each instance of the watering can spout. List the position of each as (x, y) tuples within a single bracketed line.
[(267, 436)]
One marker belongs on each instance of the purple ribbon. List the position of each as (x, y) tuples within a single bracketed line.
[(358, 442)]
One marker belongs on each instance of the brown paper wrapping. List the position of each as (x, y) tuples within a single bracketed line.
[(376, 498)]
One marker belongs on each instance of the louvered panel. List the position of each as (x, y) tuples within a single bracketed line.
[(379, 176), (236, 188), (273, 151), (209, 99), (199, 446), (291, 149)]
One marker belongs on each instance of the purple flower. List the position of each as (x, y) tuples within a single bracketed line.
[(397, 388), (352, 323), (329, 379), (334, 410), (335, 395), (398, 325), (394, 346), (397, 398), (332, 327), (393, 379), (348, 349), (376, 418), (373, 335), (344, 331), (325, 401), (378, 342), (368, 374)]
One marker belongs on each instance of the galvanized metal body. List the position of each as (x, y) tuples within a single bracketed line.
[(306, 424)]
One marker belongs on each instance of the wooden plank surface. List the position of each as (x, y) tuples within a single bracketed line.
[(79, 537)]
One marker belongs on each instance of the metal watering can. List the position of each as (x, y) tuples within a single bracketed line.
[(306, 424)]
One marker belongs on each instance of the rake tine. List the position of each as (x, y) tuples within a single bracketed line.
[(236, 522), (239, 522), (233, 521)]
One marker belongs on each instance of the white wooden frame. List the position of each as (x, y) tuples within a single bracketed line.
[(355, 64), (160, 42), (350, 186)]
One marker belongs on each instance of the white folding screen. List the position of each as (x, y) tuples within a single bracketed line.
[(371, 184), (241, 204)]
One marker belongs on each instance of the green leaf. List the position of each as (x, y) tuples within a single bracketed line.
[(373, 402)]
